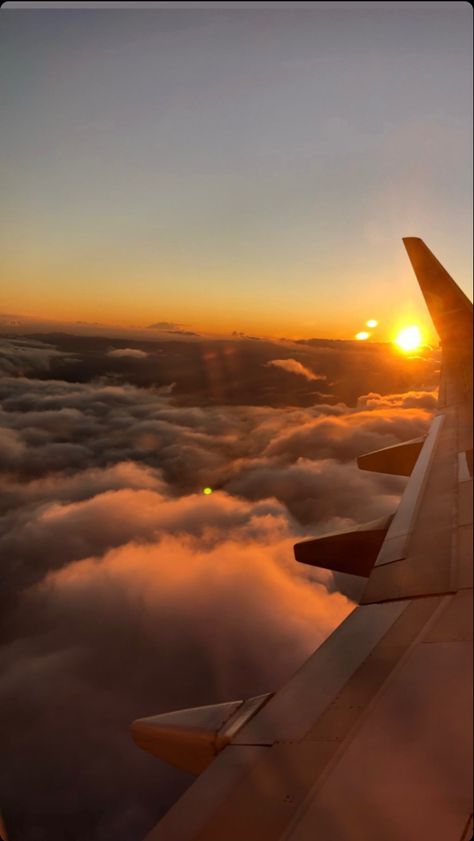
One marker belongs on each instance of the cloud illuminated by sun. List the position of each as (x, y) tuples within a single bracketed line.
[(409, 338)]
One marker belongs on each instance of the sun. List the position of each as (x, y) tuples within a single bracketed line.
[(409, 338)]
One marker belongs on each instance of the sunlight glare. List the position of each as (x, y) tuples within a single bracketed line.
[(362, 336), (372, 322), (409, 338)]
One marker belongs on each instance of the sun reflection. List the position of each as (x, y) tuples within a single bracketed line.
[(409, 338)]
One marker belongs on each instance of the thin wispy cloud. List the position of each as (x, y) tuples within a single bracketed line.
[(127, 352), (295, 367)]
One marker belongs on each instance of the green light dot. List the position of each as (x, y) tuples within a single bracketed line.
[(207, 491)]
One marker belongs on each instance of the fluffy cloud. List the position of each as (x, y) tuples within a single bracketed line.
[(70, 426), (408, 400), (153, 624), (349, 434), (295, 367), (53, 534), (318, 494)]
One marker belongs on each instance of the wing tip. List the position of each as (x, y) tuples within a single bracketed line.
[(413, 241), (449, 307)]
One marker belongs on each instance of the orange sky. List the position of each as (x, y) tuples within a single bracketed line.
[(298, 310), (247, 171)]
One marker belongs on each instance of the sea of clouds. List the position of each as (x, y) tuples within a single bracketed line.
[(127, 592)]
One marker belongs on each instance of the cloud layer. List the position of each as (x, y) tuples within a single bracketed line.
[(131, 631), (21, 356), (128, 592)]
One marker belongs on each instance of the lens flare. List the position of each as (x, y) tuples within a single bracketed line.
[(362, 336), (207, 491), (372, 322), (409, 338)]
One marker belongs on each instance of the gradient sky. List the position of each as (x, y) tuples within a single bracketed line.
[(234, 169)]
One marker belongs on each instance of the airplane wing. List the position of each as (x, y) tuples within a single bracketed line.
[(371, 738)]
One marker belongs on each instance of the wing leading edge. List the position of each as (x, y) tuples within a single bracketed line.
[(371, 737)]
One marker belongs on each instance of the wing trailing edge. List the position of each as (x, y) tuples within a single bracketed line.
[(399, 459), (353, 551)]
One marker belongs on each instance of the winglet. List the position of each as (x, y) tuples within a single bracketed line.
[(449, 307), (190, 739)]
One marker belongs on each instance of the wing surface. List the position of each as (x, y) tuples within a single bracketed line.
[(371, 739)]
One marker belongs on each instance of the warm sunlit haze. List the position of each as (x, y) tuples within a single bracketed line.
[(409, 338), (232, 170)]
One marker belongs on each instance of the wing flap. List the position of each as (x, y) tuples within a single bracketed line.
[(353, 551), (399, 460)]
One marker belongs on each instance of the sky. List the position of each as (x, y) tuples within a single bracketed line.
[(233, 168)]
